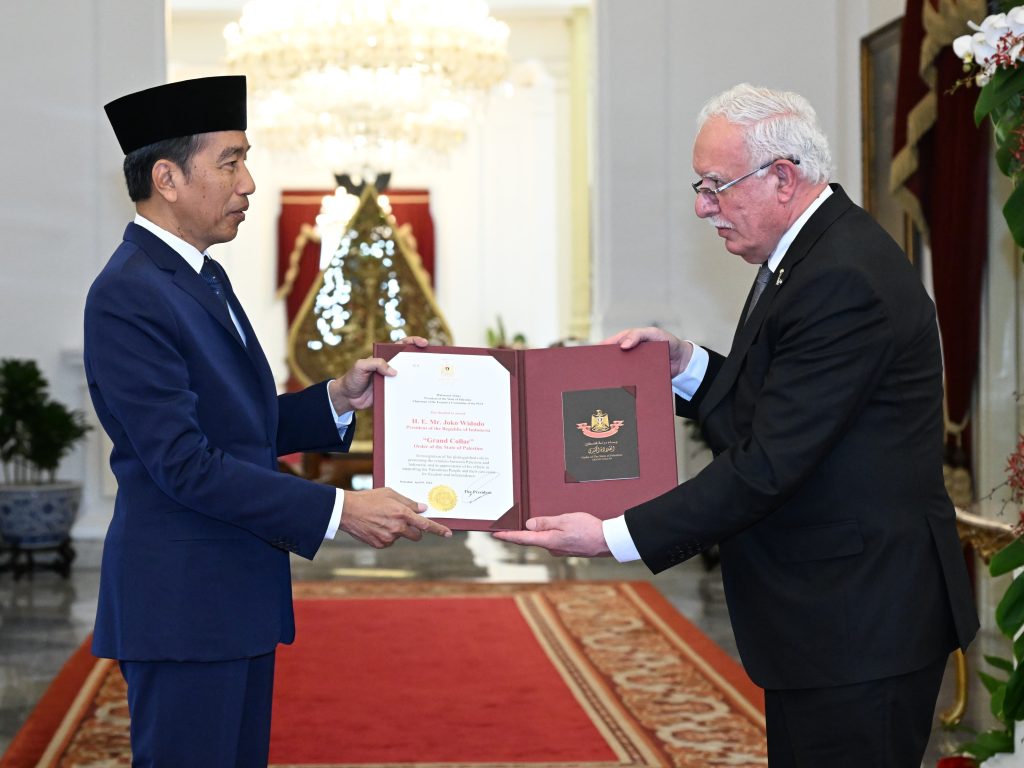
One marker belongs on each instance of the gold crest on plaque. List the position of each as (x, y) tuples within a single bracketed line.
[(600, 425)]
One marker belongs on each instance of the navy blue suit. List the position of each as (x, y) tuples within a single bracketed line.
[(195, 563)]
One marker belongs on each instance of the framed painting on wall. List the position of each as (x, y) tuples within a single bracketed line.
[(879, 75)]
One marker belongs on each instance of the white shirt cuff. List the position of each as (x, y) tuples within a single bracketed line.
[(332, 526), (688, 382), (341, 421), (620, 543)]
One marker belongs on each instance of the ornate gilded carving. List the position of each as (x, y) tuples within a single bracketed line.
[(987, 536), (373, 289)]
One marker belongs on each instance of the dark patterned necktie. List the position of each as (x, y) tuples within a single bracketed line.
[(763, 274), (209, 274)]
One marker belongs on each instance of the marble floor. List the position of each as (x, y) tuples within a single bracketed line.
[(44, 618)]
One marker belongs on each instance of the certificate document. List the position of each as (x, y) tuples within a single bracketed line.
[(448, 426), (488, 438)]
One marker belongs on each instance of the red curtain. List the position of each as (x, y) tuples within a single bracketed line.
[(940, 174)]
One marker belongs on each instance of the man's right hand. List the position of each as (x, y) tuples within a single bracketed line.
[(379, 517), (679, 351)]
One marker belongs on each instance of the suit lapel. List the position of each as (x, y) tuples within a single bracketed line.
[(746, 332), (185, 277), (252, 344), (193, 284)]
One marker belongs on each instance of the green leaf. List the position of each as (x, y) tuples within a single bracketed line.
[(34, 430), (1000, 663), (1010, 611), (1006, 118), (1005, 124), (1000, 741), (1013, 212), (991, 684), (1005, 159), (1004, 85), (989, 743), (1013, 704), (996, 704), (1018, 648), (1006, 559)]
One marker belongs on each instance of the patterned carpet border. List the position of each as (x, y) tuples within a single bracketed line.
[(659, 692)]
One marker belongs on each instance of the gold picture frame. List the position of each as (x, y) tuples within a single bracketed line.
[(879, 78)]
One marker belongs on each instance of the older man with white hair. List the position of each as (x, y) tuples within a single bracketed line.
[(843, 573)]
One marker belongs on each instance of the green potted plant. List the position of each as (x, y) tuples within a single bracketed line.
[(993, 56), (36, 510), (497, 339)]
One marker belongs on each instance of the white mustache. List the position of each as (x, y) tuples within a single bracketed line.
[(718, 222)]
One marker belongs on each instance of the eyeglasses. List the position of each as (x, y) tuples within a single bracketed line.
[(713, 192)]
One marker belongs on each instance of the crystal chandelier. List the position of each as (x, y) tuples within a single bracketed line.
[(361, 84)]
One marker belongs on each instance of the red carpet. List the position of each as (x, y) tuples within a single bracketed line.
[(453, 674)]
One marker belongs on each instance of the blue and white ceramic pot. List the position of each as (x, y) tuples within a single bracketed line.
[(38, 516)]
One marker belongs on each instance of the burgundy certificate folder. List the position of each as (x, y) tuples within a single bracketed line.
[(579, 429)]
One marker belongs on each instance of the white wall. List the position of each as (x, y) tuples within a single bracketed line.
[(62, 202), (658, 61)]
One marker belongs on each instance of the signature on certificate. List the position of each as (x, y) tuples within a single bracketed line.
[(477, 488)]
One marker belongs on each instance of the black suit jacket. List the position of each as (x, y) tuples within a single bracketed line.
[(839, 551)]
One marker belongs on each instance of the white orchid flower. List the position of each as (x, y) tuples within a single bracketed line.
[(982, 50), (993, 28), (979, 49), (1015, 20), (963, 47)]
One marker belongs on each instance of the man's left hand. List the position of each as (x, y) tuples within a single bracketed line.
[(354, 390), (575, 533)]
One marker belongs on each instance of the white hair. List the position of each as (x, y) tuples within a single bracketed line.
[(777, 124)]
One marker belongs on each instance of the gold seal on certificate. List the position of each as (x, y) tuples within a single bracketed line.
[(442, 498)]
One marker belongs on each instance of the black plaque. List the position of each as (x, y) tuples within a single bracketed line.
[(599, 427)]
